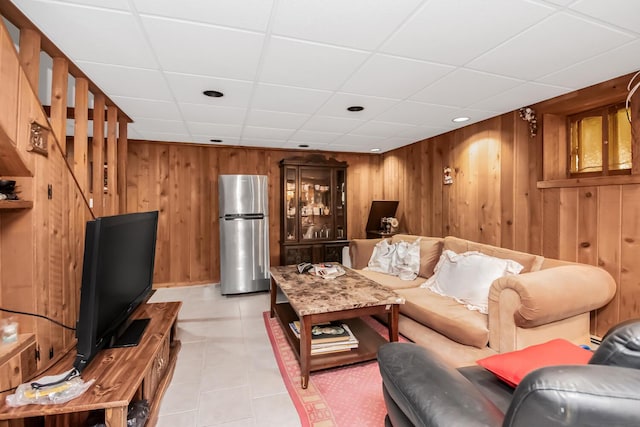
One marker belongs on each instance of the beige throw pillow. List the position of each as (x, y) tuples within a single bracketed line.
[(467, 277)]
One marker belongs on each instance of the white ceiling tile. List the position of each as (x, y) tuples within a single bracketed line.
[(562, 2), (307, 136), (348, 148), (111, 4), (145, 108), (358, 140), (143, 125), (418, 133), (615, 62), (125, 81), (392, 77), (464, 87), (311, 65), (257, 132), (624, 13), (417, 113), (331, 124), (261, 142), (203, 49), (382, 129), (212, 114), (520, 96), (456, 31), (165, 136), (189, 88), (362, 24), (98, 35), (276, 119), (247, 14), (288, 99), (132, 133), (337, 106), (206, 139), (214, 130), (295, 145), (537, 52)]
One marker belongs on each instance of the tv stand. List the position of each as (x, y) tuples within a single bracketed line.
[(132, 334), (122, 375)]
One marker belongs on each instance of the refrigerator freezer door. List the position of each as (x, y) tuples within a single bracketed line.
[(242, 194), (244, 255)]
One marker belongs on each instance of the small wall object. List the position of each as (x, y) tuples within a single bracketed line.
[(38, 136), (528, 114), (448, 179)]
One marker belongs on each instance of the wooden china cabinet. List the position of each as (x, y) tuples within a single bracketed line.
[(314, 210)]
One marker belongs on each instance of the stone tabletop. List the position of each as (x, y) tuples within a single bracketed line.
[(310, 294)]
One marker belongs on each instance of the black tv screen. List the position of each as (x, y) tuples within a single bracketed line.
[(117, 276)]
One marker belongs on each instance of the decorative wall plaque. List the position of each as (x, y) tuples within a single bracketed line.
[(38, 137)]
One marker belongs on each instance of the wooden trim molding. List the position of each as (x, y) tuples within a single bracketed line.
[(594, 181)]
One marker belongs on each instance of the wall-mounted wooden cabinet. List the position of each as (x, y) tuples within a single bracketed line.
[(314, 210)]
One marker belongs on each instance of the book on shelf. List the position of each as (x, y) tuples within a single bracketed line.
[(342, 339)]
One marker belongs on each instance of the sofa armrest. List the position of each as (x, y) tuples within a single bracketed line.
[(584, 395), (422, 389), (360, 251), (555, 293)]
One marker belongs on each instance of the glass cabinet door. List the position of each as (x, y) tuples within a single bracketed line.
[(316, 209), (341, 204), (290, 223)]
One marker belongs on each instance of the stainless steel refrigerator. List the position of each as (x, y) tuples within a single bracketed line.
[(244, 233)]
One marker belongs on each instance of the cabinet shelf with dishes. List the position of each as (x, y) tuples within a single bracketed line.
[(314, 225)]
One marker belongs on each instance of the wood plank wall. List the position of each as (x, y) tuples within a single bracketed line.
[(498, 169), (180, 180)]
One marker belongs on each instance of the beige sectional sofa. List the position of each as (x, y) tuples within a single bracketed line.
[(548, 299)]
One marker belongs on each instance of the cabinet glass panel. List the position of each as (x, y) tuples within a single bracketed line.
[(341, 204), (316, 216), (290, 224)]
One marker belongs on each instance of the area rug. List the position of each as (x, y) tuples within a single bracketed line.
[(341, 397)]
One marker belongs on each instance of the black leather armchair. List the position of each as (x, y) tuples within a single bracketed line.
[(420, 389)]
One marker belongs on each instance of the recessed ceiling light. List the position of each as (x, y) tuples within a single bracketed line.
[(215, 140), (375, 150), (460, 119), (303, 145), (213, 93), (355, 108)]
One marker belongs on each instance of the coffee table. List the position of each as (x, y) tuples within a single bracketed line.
[(312, 299)]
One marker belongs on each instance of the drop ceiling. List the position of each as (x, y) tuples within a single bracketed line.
[(290, 68)]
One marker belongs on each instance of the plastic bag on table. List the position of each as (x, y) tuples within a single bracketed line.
[(49, 390)]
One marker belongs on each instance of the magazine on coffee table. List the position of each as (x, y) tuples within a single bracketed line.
[(328, 271)]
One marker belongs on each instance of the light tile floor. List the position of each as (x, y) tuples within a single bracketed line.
[(226, 373)]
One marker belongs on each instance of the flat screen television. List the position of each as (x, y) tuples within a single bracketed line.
[(117, 276)]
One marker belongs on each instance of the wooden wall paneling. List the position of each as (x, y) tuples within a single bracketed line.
[(535, 197), (567, 238), (122, 163), (199, 212), (609, 250), (630, 254), (98, 154), (634, 105), (159, 180), (447, 190), (80, 138), (214, 243), (179, 182), (587, 242), (523, 193), (506, 140), (550, 223), (9, 70), (59, 86), (111, 205), (425, 190), (555, 146), (491, 179)]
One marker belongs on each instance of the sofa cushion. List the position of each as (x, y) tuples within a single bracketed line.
[(430, 250), (360, 251), (468, 276), (445, 315), (392, 282), (530, 262)]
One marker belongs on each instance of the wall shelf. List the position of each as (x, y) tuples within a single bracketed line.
[(16, 204)]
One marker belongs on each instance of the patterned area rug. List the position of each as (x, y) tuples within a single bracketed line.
[(342, 397)]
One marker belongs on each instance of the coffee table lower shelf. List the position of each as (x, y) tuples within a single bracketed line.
[(369, 341)]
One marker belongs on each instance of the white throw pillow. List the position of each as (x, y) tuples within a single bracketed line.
[(467, 277), (400, 259)]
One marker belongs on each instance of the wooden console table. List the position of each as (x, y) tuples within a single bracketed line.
[(122, 375)]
